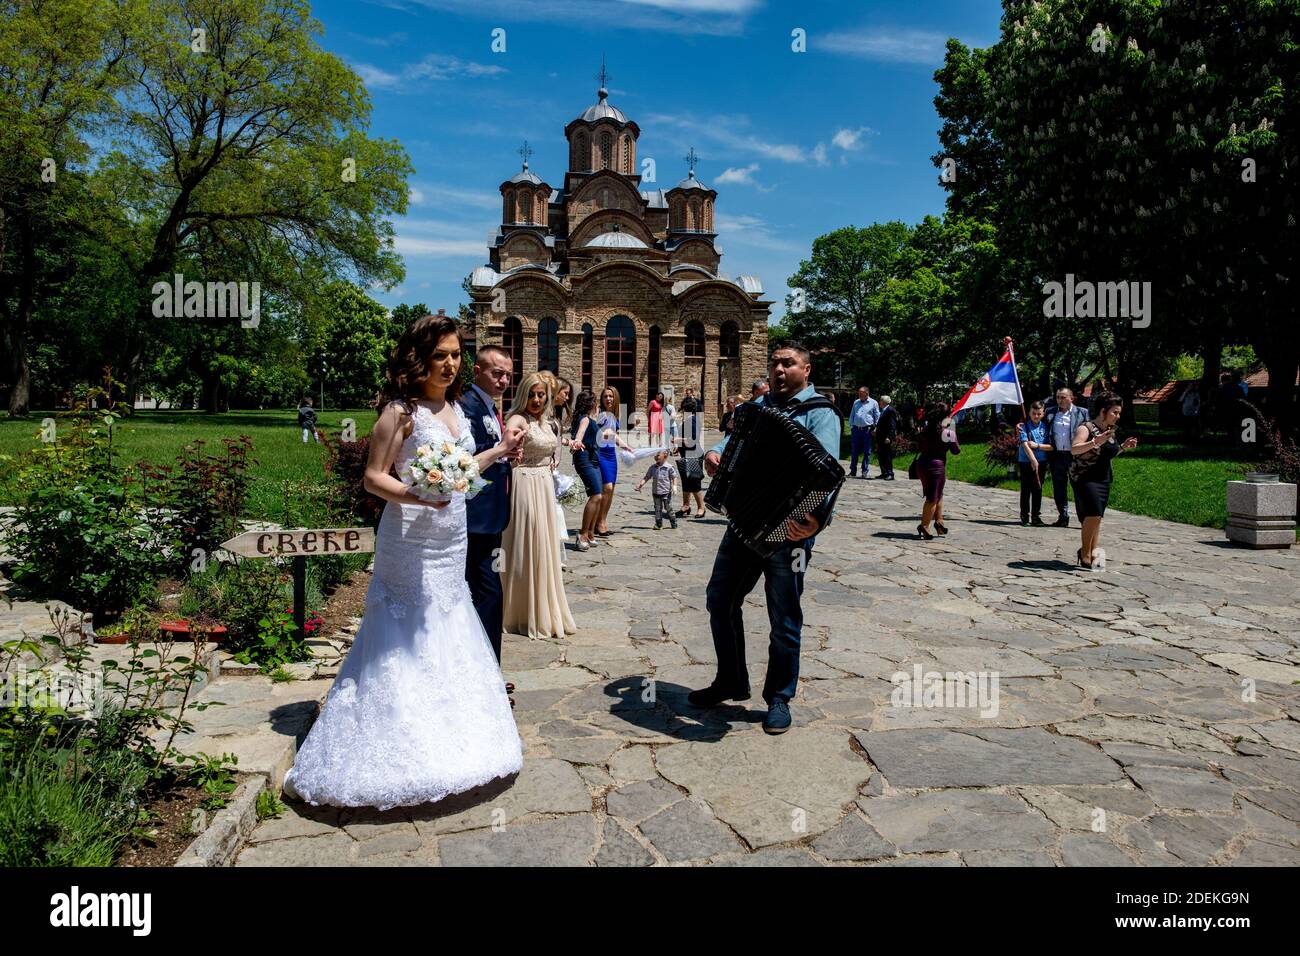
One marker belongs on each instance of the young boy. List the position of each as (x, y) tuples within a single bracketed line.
[(664, 476), (307, 420), (1033, 463)]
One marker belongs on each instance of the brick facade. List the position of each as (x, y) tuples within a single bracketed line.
[(611, 248)]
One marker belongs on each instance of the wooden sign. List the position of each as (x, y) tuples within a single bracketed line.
[(302, 543)]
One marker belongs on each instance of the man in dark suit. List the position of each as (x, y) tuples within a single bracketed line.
[(488, 512), (886, 434)]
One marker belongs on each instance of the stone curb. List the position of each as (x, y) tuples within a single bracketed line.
[(229, 830)]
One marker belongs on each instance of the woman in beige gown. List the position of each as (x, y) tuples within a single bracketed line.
[(532, 584)]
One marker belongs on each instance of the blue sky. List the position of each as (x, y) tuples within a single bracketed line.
[(796, 144)]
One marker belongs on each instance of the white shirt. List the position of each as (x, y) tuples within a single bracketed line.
[(489, 421), (1062, 433)]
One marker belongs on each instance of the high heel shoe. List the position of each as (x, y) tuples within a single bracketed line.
[(1087, 566), (925, 535), (939, 527)]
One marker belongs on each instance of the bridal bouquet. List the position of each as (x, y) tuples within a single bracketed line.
[(566, 489), (439, 471)]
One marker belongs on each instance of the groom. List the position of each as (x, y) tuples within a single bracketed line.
[(488, 512)]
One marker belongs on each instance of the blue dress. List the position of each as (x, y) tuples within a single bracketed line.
[(607, 452)]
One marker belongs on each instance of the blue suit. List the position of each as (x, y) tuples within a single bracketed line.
[(487, 515)]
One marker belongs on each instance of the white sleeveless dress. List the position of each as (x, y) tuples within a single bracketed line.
[(419, 709)]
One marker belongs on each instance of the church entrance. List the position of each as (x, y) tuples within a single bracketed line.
[(620, 360)]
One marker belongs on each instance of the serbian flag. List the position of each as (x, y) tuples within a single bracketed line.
[(1000, 385)]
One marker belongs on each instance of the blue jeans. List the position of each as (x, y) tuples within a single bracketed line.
[(861, 440), (736, 570)]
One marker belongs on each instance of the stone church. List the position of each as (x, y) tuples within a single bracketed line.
[(605, 282)]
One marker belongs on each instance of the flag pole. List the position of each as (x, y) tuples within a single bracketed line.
[(1024, 415)]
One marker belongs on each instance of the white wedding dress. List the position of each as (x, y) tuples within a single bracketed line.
[(419, 709)]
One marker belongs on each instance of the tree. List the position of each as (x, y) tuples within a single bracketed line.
[(843, 285), (60, 64), (1143, 142), (245, 149), (358, 337)]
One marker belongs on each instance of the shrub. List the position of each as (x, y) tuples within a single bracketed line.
[(277, 641), (81, 530), (202, 497), (1003, 451), (346, 465), (237, 594)]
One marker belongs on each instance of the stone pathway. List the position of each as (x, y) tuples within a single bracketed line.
[(1146, 714)]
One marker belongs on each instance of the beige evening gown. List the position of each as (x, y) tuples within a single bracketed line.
[(531, 581)]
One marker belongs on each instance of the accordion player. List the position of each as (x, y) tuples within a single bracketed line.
[(773, 469)]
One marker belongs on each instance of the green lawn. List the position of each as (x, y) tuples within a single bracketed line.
[(1162, 478), (159, 436)]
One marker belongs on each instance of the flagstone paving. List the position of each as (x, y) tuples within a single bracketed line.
[(1147, 713)]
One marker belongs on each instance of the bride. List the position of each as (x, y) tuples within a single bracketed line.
[(419, 710)]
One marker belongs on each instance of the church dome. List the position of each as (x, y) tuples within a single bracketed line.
[(616, 240), (525, 176), (603, 110), (690, 182)]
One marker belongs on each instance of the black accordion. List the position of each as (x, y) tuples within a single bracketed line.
[(773, 469)]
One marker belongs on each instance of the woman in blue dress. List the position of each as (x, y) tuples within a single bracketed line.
[(607, 444)]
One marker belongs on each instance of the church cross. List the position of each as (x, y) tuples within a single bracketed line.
[(691, 159), (525, 151), (603, 75)]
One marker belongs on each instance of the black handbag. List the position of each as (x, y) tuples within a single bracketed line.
[(691, 467)]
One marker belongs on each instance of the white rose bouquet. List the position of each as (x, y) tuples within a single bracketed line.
[(438, 471)]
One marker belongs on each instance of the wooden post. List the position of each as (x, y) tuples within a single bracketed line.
[(300, 596)]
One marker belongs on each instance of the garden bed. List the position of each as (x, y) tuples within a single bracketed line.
[(172, 827)]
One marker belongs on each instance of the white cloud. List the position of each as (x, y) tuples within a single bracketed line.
[(752, 231), (723, 135), (441, 239), (734, 174), (891, 46), (435, 66), (437, 194), (713, 17), (819, 154), (851, 139)]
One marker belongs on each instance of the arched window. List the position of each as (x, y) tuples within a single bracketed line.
[(508, 207), (620, 356), (697, 219), (512, 340), (525, 206), (729, 340), (606, 150), (627, 155), (652, 363), (588, 347), (548, 346), (708, 215), (695, 339), (582, 161), (540, 201), (690, 215)]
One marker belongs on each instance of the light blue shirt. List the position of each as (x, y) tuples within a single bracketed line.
[(824, 423), (865, 414)]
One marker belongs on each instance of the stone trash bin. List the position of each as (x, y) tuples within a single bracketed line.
[(1261, 512)]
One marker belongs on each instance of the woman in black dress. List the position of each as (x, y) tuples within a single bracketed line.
[(691, 459), (1094, 447)]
